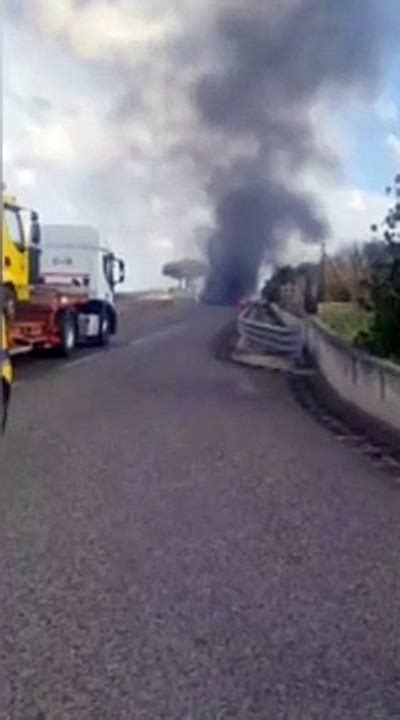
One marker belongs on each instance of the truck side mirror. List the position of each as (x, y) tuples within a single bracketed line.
[(35, 228), (121, 266)]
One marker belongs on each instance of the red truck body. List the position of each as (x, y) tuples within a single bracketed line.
[(37, 322)]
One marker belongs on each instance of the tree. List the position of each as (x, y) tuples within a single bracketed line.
[(384, 335), (185, 270), (348, 275), (296, 286), (282, 276)]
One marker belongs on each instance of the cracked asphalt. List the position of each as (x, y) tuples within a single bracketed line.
[(182, 541)]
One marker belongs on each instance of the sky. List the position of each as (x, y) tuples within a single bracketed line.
[(103, 125)]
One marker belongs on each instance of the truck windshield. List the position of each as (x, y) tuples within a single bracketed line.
[(13, 222)]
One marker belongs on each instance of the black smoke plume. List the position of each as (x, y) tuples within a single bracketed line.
[(276, 58)]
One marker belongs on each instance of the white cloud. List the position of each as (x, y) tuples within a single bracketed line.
[(393, 142), (53, 143), (164, 243), (7, 152), (357, 202), (97, 28), (26, 177), (351, 221)]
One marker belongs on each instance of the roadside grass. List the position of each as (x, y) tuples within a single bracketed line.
[(346, 319)]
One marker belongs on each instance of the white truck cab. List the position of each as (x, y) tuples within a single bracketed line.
[(73, 257)]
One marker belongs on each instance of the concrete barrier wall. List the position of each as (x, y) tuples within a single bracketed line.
[(370, 384)]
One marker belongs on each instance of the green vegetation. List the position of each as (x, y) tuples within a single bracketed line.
[(346, 319), (360, 287), (383, 336)]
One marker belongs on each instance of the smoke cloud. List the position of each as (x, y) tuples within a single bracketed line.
[(189, 125), (276, 60)]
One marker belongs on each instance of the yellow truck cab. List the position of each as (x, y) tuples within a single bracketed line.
[(20, 252)]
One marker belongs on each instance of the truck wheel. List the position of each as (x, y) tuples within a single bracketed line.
[(10, 303), (103, 337), (68, 334)]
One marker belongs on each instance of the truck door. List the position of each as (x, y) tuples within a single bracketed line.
[(108, 274), (114, 271), (16, 259)]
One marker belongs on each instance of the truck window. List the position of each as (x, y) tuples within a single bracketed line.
[(14, 226)]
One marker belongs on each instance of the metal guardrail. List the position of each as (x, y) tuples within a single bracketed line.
[(269, 336)]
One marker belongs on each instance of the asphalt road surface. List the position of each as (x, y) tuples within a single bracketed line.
[(183, 541)]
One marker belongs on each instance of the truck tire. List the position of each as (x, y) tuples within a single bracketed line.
[(104, 335), (10, 303), (67, 324)]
